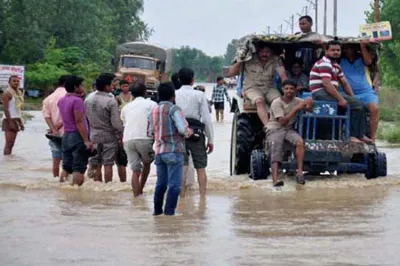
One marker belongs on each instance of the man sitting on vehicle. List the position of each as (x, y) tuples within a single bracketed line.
[(307, 55), (280, 129), (259, 75), (355, 69), (305, 24), (324, 83), (296, 74)]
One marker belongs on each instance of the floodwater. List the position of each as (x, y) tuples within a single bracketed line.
[(330, 221)]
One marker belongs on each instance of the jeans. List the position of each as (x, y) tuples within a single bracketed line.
[(74, 153), (357, 117), (169, 175), (55, 148)]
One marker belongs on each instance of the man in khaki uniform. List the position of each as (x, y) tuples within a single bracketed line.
[(280, 129), (259, 74)]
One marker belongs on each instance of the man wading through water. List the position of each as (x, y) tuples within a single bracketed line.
[(137, 144), (218, 98), (51, 115), (195, 107), (76, 147), (12, 123), (105, 126), (168, 126)]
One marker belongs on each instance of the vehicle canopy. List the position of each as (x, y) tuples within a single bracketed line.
[(281, 43), (145, 50)]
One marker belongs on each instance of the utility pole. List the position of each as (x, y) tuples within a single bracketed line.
[(325, 15), (280, 31), (291, 23), (315, 5), (306, 8), (316, 15), (334, 17), (268, 32), (377, 11)]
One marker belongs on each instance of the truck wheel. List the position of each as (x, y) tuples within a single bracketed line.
[(241, 145), (259, 165)]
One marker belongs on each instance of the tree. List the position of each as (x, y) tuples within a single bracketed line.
[(231, 52), (205, 67), (84, 33)]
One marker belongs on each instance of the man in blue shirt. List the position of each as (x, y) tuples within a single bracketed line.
[(355, 68)]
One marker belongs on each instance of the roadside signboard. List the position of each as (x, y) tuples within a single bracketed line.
[(8, 70), (381, 31)]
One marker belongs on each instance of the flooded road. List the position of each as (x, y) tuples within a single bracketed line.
[(332, 221)]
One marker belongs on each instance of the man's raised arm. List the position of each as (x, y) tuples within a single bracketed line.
[(234, 70)]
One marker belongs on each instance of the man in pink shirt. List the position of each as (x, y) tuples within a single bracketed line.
[(51, 114)]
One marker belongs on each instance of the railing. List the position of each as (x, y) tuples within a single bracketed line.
[(325, 113)]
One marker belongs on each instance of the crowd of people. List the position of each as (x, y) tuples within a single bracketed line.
[(90, 133), (330, 75), (100, 130)]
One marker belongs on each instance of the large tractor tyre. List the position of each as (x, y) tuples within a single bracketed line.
[(243, 141), (259, 165), (370, 161)]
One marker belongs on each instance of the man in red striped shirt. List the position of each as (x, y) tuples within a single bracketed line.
[(324, 83)]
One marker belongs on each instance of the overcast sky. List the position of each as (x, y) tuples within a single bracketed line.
[(210, 25)]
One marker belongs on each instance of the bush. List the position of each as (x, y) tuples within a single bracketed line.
[(389, 132), (44, 74), (389, 105)]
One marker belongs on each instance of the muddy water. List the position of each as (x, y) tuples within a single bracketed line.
[(330, 221)]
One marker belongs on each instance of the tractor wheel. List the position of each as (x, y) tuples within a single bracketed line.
[(242, 143), (380, 164), (259, 165)]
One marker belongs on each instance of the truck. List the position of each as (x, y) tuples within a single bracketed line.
[(139, 62), (326, 130)]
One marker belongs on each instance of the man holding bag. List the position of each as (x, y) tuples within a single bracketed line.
[(195, 107)]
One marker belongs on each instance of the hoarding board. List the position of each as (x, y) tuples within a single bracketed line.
[(380, 31), (8, 70)]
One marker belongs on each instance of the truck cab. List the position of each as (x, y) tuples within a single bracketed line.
[(143, 63)]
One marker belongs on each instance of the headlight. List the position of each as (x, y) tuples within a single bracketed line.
[(150, 84)]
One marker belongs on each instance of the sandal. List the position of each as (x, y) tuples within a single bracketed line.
[(279, 183), (300, 179)]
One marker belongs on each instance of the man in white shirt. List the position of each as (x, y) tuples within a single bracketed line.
[(137, 144), (195, 107)]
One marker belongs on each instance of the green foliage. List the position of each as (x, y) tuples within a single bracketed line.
[(389, 132), (59, 36), (389, 108), (206, 68), (390, 55), (43, 75)]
